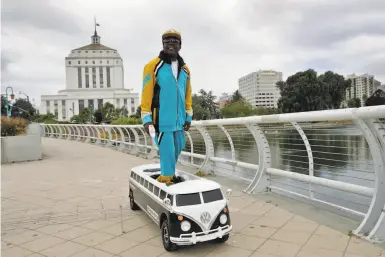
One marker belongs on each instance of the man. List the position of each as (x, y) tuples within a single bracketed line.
[(167, 102)]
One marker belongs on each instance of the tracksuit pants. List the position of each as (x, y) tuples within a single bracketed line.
[(170, 146)]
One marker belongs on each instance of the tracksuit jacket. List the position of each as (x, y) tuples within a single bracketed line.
[(167, 102)]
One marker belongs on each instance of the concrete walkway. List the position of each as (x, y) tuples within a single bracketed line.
[(74, 203)]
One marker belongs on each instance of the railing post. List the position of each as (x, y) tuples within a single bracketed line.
[(373, 225), (191, 146), (260, 181), (209, 149), (230, 141), (309, 154), (135, 150), (88, 138), (122, 139)]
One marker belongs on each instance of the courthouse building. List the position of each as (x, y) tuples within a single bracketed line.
[(94, 76)]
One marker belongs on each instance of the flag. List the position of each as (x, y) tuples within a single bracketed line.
[(97, 24)]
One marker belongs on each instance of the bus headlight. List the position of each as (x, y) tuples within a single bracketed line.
[(185, 225), (223, 219)]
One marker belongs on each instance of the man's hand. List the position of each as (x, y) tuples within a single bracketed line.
[(186, 126), (146, 127)]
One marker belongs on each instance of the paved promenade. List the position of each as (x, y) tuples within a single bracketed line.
[(74, 203)]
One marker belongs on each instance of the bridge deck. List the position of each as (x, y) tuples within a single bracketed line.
[(69, 205)]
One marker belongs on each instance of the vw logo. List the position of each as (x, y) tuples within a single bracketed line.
[(205, 217)]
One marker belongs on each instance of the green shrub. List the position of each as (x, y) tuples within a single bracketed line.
[(126, 121), (13, 126)]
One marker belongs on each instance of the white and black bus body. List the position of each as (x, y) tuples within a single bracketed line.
[(190, 211)]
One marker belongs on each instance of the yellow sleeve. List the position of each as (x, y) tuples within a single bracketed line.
[(189, 110), (147, 93)]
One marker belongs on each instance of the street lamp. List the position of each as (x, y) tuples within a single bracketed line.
[(25, 95), (12, 96)]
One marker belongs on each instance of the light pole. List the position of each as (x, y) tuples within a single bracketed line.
[(8, 108), (25, 95)]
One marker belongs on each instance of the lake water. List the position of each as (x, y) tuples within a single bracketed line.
[(340, 154)]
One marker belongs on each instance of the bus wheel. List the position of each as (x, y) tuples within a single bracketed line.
[(133, 205), (167, 244)]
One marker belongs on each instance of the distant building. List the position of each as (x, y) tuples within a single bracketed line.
[(94, 76), (259, 88), (382, 87), (223, 100), (361, 86)]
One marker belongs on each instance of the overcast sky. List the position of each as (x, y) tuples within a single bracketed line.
[(222, 40)]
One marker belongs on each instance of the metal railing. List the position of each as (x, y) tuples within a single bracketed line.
[(333, 158)]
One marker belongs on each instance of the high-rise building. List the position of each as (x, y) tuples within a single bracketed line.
[(259, 88), (362, 87), (94, 76)]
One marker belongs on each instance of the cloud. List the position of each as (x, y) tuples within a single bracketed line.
[(40, 14), (222, 39)]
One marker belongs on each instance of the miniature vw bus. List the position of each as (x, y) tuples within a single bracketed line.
[(191, 210)]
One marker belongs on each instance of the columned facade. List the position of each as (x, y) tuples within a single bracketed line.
[(94, 76)]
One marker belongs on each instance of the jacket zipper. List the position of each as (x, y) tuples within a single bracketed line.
[(177, 95)]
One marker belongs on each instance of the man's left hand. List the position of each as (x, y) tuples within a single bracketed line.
[(186, 126)]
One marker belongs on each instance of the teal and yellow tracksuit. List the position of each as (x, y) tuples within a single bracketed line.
[(167, 102)]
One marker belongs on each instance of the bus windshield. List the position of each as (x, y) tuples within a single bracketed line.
[(188, 199)]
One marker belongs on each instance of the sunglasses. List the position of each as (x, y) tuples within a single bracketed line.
[(171, 41)]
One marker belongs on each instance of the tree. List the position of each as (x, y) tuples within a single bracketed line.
[(98, 116), (84, 116), (204, 106), (378, 98), (23, 109), (304, 91), (336, 87), (240, 108), (364, 98), (354, 103), (236, 97)]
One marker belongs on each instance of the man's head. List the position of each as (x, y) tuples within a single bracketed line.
[(172, 42)]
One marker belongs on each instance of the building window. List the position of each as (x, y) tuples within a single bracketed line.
[(93, 77), (69, 62), (47, 103), (101, 61), (117, 103), (93, 62), (132, 101), (87, 78), (132, 109), (101, 76), (108, 77), (78, 62), (79, 77), (55, 109), (91, 104), (63, 109), (100, 103), (81, 106), (108, 62), (125, 101)]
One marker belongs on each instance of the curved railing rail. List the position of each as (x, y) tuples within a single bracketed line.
[(333, 158)]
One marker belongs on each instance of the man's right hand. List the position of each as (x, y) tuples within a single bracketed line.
[(147, 126)]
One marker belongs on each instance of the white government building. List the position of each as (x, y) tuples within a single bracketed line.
[(259, 88), (94, 76)]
